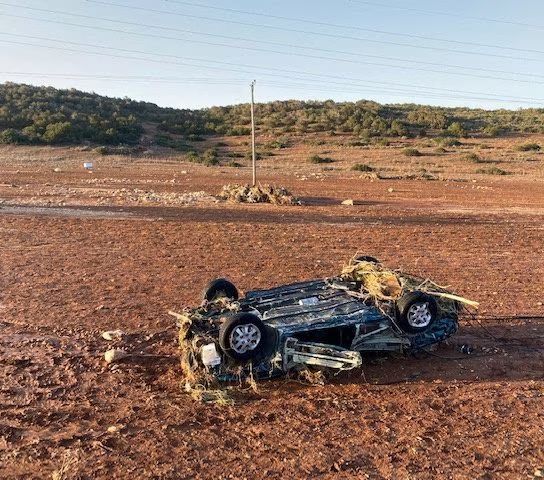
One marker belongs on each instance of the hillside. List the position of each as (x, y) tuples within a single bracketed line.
[(45, 115)]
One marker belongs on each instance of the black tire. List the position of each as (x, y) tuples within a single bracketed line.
[(366, 258), (407, 307), (227, 333), (219, 288)]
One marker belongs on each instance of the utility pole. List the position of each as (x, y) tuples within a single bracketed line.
[(253, 155)]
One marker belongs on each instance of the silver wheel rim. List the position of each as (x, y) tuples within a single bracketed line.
[(419, 315), (245, 338)]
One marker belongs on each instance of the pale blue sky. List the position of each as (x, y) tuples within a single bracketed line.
[(285, 55)]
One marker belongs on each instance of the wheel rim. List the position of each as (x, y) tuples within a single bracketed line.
[(419, 315), (245, 338)]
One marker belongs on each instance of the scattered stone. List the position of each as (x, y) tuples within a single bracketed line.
[(115, 355), (390, 190), (348, 202), (57, 170), (113, 335), (115, 428)]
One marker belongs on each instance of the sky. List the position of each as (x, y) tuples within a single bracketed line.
[(198, 53)]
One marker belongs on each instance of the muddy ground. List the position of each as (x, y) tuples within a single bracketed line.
[(74, 264)]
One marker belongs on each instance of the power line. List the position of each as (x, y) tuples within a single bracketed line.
[(264, 42), (146, 78), (402, 67), (336, 85), (228, 64), (350, 27), (271, 84), (306, 32), (447, 14), (289, 53)]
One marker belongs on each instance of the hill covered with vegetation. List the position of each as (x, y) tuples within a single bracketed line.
[(45, 115)]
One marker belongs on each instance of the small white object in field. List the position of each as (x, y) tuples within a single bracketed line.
[(112, 334), (390, 190), (348, 202), (115, 355), (57, 170), (88, 165)]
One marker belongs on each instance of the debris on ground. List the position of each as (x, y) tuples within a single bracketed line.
[(115, 355), (113, 335), (60, 195), (165, 198), (381, 284), (348, 202), (258, 194)]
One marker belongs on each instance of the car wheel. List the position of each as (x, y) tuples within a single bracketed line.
[(416, 311), (220, 288), (243, 337)]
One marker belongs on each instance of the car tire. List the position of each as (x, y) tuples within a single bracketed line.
[(416, 311), (243, 337), (220, 288)]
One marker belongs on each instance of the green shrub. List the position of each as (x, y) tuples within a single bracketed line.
[(210, 157), (314, 142), (440, 150), (102, 150), (362, 167), (278, 144), (358, 143), (492, 171), (193, 157), (456, 130), (165, 140), (528, 147), (398, 129), (318, 159), (492, 131), (447, 142), (234, 155), (193, 137), (383, 142), (249, 156), (57, 132), (473, 157), (411, 152), (234, 164), (117, 150), (238, 131), (13, 137)]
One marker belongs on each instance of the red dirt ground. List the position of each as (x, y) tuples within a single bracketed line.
[(68, 273)]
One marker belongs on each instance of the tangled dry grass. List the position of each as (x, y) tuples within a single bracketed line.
[(384, 286)]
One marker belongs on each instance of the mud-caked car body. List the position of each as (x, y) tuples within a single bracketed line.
[(326, 323)]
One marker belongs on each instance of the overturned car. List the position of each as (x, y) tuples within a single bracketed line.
[(326, 323)]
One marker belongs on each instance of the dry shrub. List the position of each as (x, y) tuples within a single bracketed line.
[(383, 286), (312, 377), (68, 467), (379, 282), (216, 396)]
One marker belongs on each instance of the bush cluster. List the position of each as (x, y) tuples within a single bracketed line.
[(319, 159), (44, 115)]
